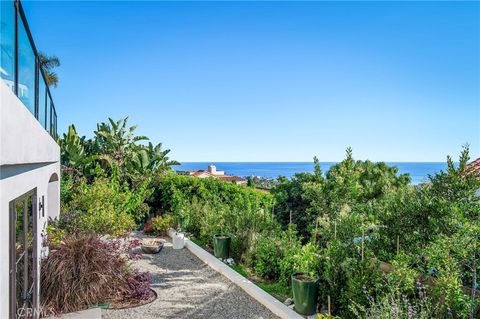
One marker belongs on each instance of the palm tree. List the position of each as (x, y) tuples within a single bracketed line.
[(49, 63)]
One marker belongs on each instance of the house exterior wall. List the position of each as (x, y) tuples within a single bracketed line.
[(23, 140), (29, 159)]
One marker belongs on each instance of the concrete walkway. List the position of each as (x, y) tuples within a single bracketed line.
[(188, 288)]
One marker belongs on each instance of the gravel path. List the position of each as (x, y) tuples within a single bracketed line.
[(188, 288)]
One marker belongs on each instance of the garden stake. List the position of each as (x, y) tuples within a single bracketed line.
[(398, 244), (328, 300), (316, 231), (363, 238), (474, 284)]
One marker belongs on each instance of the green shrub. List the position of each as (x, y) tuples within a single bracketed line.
[(268, 255), (206, 207), (161, 224), (99, 208), (55, 235), (306, 260), (306, 196), (290, 244)]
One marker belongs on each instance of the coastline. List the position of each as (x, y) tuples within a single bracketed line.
[(418, 171)]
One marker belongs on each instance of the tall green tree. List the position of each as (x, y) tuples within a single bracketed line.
[(307, 197)]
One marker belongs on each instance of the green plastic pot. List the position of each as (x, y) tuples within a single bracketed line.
[(221, 246), (305, 295)]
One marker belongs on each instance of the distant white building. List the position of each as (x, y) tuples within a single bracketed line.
[(29, 165), (212, 172)]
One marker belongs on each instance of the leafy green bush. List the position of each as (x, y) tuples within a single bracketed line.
[(100, 208), (305, 197), (268, 255), (291, 244), (449, 261), (107, 180), (161, 224), (272, 254), (363, 212), (206, 207), (55, 235), (306, 260)]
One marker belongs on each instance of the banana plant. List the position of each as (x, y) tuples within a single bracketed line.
[(73, 154), (117, 141), (151, 159)]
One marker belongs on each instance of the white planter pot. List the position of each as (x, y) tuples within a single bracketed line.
[(178, 240)]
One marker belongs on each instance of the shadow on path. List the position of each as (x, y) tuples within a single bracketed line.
[(188, 288)]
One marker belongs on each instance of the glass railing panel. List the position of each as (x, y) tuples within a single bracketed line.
[(26, 68), (7, 43), (52, 128), (49, 113), (54, 133), (42, 100)]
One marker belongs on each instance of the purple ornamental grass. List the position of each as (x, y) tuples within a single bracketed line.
[(89, 270)]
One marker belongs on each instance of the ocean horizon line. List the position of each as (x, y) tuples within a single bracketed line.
[(418, 171)]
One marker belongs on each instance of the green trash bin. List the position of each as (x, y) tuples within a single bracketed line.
[(221, 246), (305, 294)]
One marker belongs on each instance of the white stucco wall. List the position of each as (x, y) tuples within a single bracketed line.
[(22, 137), (29, 157)]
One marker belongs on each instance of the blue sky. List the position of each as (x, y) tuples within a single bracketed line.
[(271, 81)]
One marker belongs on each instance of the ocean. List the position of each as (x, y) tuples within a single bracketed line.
[(418, 171)]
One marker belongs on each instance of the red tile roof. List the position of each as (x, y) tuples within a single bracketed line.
[(474, 167), (199, 173), (204, 173), (231, 178)]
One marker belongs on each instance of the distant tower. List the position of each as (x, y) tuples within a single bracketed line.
[(212, 169)]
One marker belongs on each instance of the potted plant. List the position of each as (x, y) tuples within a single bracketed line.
[(152, 246), (221, 241), (305, 281), (221, 245)]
